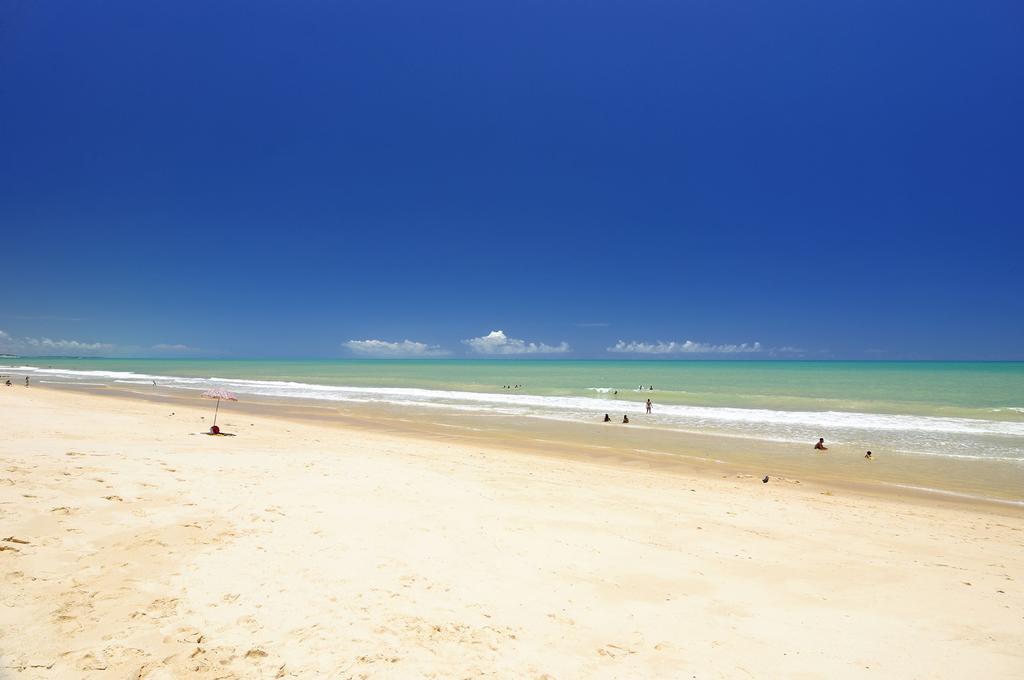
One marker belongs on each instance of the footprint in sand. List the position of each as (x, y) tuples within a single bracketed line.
[(101, 660), (187, 634), (559, 618), (614, 651), (113, 498), (207, 660), (92, 662), (375, 658), (162, 607)]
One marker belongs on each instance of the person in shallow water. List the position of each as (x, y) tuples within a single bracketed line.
[(649, 405), (868, 456), (820, 446), (607, 419), (625, 420)]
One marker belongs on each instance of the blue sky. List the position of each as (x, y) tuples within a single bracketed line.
[(668, 179)]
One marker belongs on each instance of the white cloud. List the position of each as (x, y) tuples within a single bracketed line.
[(46, 345), (165, 347), (496, 342), (67, 345), (383, 348), (686, 347)]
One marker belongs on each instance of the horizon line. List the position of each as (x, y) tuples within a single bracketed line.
[(503, 358)]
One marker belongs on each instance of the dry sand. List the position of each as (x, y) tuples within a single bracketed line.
[(134, 548)]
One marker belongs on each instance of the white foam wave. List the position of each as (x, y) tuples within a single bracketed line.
[(955, 437), (62, 382)]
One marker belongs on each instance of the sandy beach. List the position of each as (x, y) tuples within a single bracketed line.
[(135, 547)]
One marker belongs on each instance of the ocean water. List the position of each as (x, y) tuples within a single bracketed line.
[(942, 409)]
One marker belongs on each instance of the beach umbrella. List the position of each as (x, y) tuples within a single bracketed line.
[(218, 394)]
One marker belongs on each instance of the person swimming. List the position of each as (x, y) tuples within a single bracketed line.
[(820, 446), (625, 420), (607, 418)]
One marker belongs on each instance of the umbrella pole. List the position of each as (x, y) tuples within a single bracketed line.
[(215, 412)]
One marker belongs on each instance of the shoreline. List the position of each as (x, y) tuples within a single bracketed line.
[(707, 454)]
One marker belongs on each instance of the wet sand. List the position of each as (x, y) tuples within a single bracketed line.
[(890, 474)]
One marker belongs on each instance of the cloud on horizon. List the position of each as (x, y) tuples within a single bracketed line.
[(385, 349), (496, 342), (177, 347), (685, 347), (9, 343)]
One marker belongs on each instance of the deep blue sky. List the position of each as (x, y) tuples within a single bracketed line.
[(276, 178)]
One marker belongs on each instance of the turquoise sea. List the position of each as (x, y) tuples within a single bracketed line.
[(949, 409)]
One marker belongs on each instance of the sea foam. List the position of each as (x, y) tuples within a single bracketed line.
[(927, 435)]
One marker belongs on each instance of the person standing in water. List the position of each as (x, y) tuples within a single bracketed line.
[(649, 404), (26, 381)]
